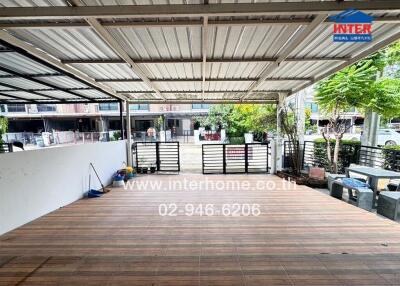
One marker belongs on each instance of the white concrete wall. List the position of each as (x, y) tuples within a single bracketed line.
[(34, 183)]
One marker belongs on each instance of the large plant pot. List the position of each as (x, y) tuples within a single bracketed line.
[(248, 138)]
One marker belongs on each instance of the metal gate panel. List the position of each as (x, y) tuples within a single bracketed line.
[(236, 159), (146, 154), (258, 156), (213, 158), (168, 156), (162, 155)]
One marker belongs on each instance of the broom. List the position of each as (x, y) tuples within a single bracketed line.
[(101, 183)]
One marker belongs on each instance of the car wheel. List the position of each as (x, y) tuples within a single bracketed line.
[(390, 143)]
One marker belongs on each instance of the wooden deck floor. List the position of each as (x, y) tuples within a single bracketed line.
[(302, 237)]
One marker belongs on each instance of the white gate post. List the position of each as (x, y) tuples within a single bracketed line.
[(128, 134), (277, 158)]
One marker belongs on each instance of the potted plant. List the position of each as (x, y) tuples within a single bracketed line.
[(140, 164), (143, 163), (153, 168)]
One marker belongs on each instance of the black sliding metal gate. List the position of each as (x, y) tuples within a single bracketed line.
[(236, 159), (162, 155)]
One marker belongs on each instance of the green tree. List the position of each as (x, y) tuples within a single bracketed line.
[(364, 85), (238, 119), (3, 127)]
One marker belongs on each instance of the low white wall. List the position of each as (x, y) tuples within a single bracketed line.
[(34, 183)]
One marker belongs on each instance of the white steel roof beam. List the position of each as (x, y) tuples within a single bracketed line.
[(177, 23), (200, 92), (117, 48), (106, 36), (200, 79), (204, 54), (209, 60), (285, 53), (195, 10)]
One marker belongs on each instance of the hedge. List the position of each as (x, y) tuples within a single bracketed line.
[(348, 153)]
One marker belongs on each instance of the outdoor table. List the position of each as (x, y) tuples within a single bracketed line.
[(373, 174)]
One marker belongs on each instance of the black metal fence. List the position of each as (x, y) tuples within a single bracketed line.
[(6, 147), (236, 159), (315, 154), (164, 156)]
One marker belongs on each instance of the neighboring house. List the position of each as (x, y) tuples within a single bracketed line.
[(354, 119), (97, 117)]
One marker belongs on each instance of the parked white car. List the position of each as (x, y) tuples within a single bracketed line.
[(388, 137), (385, 137)]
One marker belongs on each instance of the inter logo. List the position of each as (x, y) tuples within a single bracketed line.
[(352, 26)]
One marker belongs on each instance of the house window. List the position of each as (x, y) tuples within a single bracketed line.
[(351, 109), (138, 107), (16, 107), (200, 106), (113, 106), (46, 107), (2, 108), (313, 106)]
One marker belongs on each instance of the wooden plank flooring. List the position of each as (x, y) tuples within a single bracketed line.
[(302, 237)]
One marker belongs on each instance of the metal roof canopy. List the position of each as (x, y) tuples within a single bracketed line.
[(183, 53), (13, 81)]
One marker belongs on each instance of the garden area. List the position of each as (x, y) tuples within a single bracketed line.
[(372, 86), (238, 120)]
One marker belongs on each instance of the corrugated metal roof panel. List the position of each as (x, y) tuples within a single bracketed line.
[(180, 86), (7, 98), (320, 44), (171, 70), (78, 43), (249, 41), (235, 70), (23, 83), (280, 85), (166, 43), (34, 3), (21, 64), (92, 93), (160, 42), (61, 94), (227, 85), (139, 2), (107, 71), (132, 86), (64, 82), (24, 94)]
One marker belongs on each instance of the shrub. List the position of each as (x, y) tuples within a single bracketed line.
[(394, 147), (236, 140), (348, 153), (116, 136), (391, 157)]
